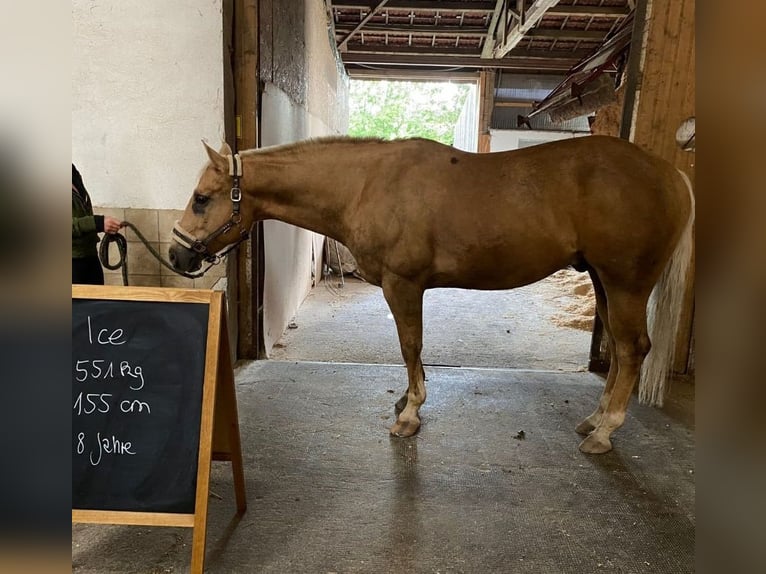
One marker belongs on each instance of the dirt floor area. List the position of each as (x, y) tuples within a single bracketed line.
[(546, 325)]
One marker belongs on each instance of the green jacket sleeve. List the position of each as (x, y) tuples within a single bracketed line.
[(87, 224)]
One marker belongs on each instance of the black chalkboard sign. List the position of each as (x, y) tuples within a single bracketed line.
[(137, 376), (153, 403)]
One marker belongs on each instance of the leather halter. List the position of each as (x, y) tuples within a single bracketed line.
[(201, 245)]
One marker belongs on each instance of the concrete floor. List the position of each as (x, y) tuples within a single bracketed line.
[(330, 492), (522, 328)]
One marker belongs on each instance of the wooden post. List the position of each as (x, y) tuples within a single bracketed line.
[(250, 257), (230, 128), (663, 96), (486, 105)]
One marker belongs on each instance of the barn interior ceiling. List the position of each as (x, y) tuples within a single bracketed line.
[(397, 37)]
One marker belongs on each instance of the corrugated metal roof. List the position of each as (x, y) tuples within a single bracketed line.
[(529, 94), (528, 81), (506, 118)]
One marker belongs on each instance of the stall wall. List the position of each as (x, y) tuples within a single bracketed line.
[(504, 140), (147, 85), (305, 96)]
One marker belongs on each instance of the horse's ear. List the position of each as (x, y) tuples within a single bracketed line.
[(225, 149), (220, 163)]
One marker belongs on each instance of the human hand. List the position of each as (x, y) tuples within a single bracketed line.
[(111, 225)]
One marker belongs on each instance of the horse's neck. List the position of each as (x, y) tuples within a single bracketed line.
[(311, 189)]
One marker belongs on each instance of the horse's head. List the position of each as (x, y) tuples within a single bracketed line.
[(213, 219)]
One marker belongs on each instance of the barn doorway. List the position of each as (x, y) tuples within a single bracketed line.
[(545, 326)]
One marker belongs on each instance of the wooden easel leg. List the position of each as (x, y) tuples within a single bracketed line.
[(231, 416), (198, 545), (237, 468)]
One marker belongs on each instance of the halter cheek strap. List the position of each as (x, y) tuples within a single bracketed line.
[(201, 245)]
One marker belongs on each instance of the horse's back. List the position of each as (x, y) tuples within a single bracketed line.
[(505, 219)]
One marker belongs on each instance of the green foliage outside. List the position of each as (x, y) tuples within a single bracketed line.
[(391, 110)]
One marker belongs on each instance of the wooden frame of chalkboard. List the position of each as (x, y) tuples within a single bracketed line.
[(214, 395)]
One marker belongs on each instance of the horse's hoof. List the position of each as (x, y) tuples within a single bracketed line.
[(404, 429), (594, 444), (585, 427)]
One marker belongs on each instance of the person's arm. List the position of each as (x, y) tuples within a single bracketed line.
[(87, 224)]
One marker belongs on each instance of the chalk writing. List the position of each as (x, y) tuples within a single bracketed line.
[(92, 403), (135, 406), (102, 369), (137, 378), (108, 445), (102, 338)]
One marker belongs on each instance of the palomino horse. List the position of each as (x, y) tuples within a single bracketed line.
[(417, 214)]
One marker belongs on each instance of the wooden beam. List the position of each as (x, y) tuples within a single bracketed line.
[(446, 51), (418, 5), (551, 64), (451, 52), (513, 104), (531, 17), (230, 134), (663, 46), (660, 106), (414, 75), (361, 24), (486, 103), (417, 29), (249, 256), (597, 11), (489, 43), (633, 68), (566, 34)]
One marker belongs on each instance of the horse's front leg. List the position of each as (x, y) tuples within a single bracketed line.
[(405, 299)]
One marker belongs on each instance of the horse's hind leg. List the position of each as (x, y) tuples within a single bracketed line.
[(627, 320), (405, 299), (591, 422)]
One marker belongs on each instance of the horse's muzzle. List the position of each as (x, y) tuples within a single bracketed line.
[(184, 259)]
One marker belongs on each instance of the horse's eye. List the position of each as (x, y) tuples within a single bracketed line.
[(200, 199)]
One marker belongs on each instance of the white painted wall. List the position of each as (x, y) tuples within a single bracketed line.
[(504, 140), (287, 278), (147, 85), (467, 126), (288, 249), (327, 98)]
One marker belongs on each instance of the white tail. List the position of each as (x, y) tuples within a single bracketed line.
[(664, 314)]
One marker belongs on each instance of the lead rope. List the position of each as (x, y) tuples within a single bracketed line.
[(122, 249)]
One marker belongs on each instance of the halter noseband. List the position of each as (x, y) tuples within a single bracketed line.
[(201, 245)]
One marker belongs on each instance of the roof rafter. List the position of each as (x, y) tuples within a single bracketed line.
[(602, 11), (565, 34), (419, 29), (530, 18), (361, 24), (489, 43), (454, 6), (460, 31), (556, 64)]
